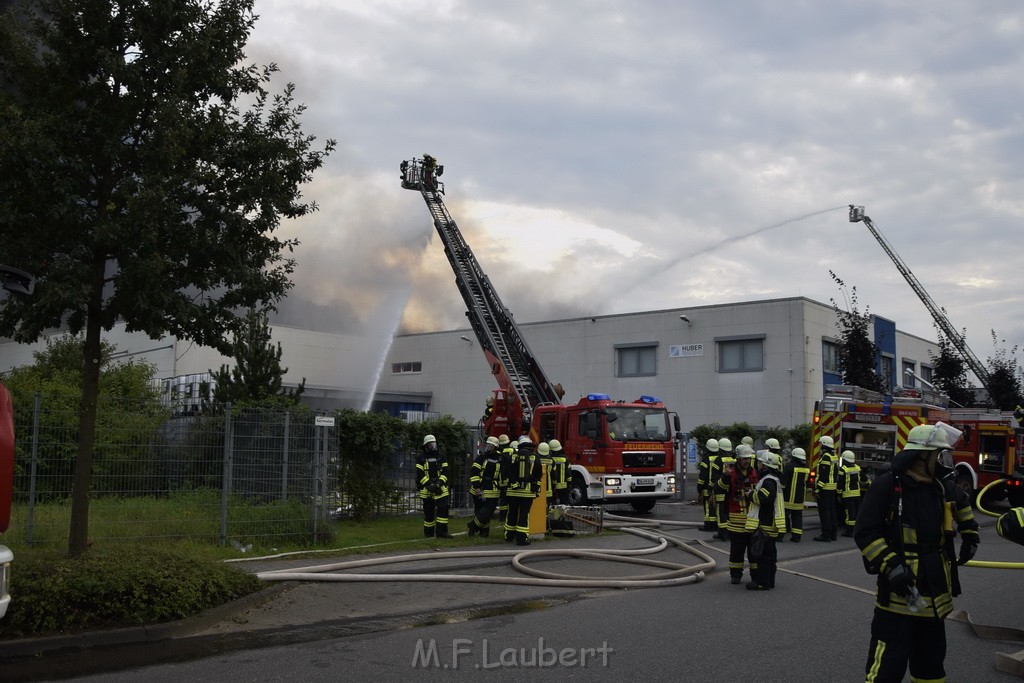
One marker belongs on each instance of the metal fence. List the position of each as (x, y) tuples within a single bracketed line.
[(228, 476)]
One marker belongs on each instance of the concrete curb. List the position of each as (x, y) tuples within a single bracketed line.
[(30, 647)]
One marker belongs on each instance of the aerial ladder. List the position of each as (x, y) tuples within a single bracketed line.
[(955, 338), (514, 366)]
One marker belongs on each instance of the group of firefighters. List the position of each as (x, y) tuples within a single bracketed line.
[(505, 479)]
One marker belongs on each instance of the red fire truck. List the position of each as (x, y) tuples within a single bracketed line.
[(619, 451), (988, 451), (872, 425)]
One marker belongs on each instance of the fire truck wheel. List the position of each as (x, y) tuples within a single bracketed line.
[(643, 505), (577, 490), (966, 484)]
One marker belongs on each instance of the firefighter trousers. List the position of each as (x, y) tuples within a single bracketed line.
[(899, 640), (795, 523), (517, 522), (851, 506), (481, 522), (739, 545), (435, 516), (763, 573), (710, 510), (827, 512)]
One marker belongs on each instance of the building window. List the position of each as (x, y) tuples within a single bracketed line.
[(402, 368), (830, 356), (926, 374), (636, 360), (909, 370), (741, 354), (887, 371)]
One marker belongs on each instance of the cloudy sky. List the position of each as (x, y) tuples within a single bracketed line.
[(610, 156)]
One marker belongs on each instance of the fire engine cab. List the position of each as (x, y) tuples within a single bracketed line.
[(873, 426), (988, 451)]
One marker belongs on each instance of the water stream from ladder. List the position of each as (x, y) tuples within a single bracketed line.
[(383, 329)]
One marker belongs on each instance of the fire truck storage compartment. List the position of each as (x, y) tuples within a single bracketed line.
[(870, 443)]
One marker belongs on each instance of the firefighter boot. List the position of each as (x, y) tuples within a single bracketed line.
[(485, 531), (428, 531), (473, 529), (521, 538), (442, 531)]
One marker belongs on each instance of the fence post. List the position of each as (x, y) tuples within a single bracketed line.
[(284, 464), (316, 480), (33, 468), (226, 474)]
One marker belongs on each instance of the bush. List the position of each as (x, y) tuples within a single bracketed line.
[(114, 587)]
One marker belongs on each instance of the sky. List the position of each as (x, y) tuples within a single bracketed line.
[(613, 156)]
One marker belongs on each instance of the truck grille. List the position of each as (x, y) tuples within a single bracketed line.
[(635, 459)]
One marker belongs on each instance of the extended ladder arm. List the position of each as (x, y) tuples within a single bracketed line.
[(512, 362), (954, 337)]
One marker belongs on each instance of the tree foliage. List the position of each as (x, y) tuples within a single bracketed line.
[(1004, 386), (257, 374), (949, 373), (858, 355), (366, 445), (132, 183)]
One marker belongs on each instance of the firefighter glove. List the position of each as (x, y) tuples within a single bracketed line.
[(967, 551), (900, 580)]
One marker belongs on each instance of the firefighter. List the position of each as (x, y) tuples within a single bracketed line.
[(561, 472), (794, 487), (432, 470), (547, 475), (767, 513), (736, 485), (505, 447), (520, 473), (484, 485), (707, 477), (488, 409), (848, 488), (772, 444), (725, 462), (825, 490), (905, 534)]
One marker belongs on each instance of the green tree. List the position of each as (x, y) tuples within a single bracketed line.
[(858, 355), (367, 443), (132, 184), (949, 373), (257, 373), (1004, 385)]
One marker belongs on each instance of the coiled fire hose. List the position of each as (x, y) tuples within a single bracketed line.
[(674, 574), (986, 563)]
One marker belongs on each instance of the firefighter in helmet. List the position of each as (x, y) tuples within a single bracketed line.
[(561, 472), (505, 448), (520, 472), (769, 517), (848, 488), (737, 485), (725, 463), (432, 471), (905, 531), (794, 487), (707, 478), (484, 485), (825, 490)]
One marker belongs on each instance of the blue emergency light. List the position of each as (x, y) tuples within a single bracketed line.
[(598, 397), (650, 399)]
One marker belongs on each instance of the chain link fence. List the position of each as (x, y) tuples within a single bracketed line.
[(225, 476)]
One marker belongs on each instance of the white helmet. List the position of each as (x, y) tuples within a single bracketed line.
[(747, 440), (744, 451), (493, 441), (770, 460), (799, 454), (555, 445), (725, 445), (503, 439), (938, 436), (429, 438), (827, 441), (772, 444), (848, 456), (711, 446), (523, 438), (543, 449)]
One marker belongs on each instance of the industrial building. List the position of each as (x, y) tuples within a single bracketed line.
[(761, 362)]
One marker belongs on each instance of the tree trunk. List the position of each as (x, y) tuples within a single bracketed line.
[(78, 539)]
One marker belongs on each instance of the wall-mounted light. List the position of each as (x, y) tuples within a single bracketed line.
[(466, 339), (686, 320)]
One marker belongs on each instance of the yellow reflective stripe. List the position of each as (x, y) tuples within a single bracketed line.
[(928, 680), (876, 662), (874, 549)]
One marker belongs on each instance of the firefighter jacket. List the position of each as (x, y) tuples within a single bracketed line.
[(848, 483), (737, 487), (548, 475), (520, 474), (560, 464), (709, 472), (825, 475), (766, 509), (486, 473), (905, 521), (432, 474), (794, 485)]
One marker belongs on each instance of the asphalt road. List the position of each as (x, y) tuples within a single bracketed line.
[(813, 627)]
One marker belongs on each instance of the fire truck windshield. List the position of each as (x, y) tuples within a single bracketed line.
[(638, 424)]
